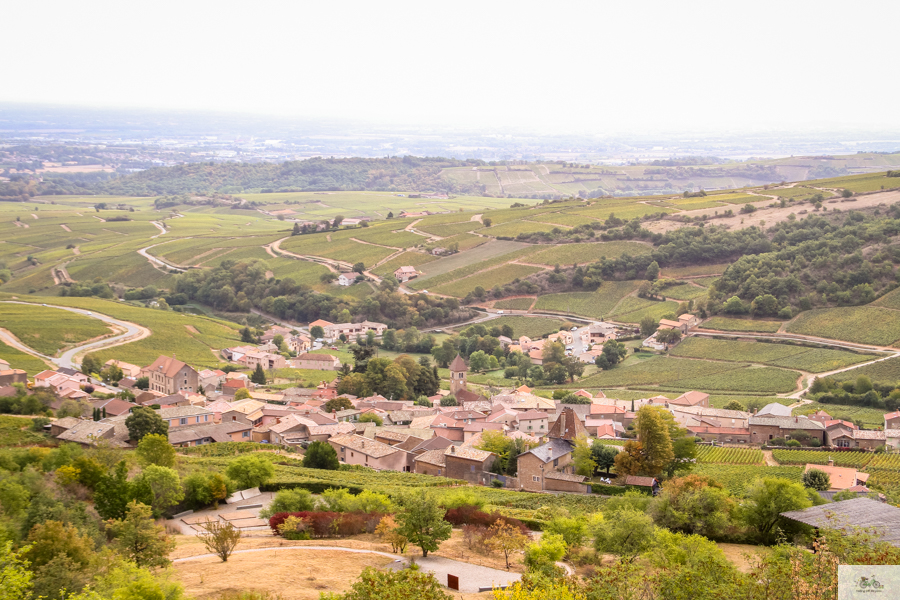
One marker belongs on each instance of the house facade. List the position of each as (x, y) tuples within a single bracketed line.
[(169, 375)]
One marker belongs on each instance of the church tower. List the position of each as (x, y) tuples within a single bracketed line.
[(457, 375)]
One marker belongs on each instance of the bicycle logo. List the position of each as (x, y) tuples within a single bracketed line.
[(868, 583)]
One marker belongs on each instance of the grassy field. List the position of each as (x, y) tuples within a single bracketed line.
[(533, 327), (16, 431), (737, 478), (458, 266), (766, 380), (514, 228), (171, 333), (514, 304), (569, 254), (20, 360), (889, 300), (684, 292), (450, 229), (868, 182), (692, 271), (49, 330), (804, 358), (741, 325), (861, 324)]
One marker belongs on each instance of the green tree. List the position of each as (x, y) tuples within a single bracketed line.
[(142, 383), (371, 418), (765, 500), (542, 556), (403, 584), (289, 500), (247, 336), (321, 455), (693, 504), (863, 385), (15, 577), (259, 376), (486, 221), (816, 479), (359, 268), (449, 401), (734, 405), (655, 440), (241, 393), (648, 326), (337, 404), (317, 332), (422, 522), (604, 456), (90, 365), (250, 471), (627, 532), (573, 530), (140, 539), (144, 421), (478, 362), (114, 492), (220, 538), (668, 336), (734, 306), (111, 374), (155, 449), (583, 457), (204, 488), (165, 487), (652, 271), (52, 539)]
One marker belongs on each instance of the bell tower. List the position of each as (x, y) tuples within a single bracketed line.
[(458, 371)]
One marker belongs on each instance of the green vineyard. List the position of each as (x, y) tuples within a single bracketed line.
[(729, 456), (841, 459)]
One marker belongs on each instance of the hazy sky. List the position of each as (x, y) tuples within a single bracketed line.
[(553, 66)]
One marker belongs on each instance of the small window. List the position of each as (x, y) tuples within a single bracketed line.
[(184, 420), (245, 434), (556, 462), (205, 418), (472, 468), (535, 478)]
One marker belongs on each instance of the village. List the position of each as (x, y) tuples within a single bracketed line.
[(442, 438)]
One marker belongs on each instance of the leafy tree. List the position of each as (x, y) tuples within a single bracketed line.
[(371, 418), (422, 522), (449, 401), (250, 470), (204, 488), (604, 456), (734, 405), (652, 271), (140, 539), (247, 336), (478, 362), (155, 449), (90, 365), (655, 440), (626, 532), (572, 529), (486, 221), (359, 268), (317, 332), (816, 479), (52, 539), (648, 326), (144, 421), (506, 539), (114, 492), (734, 306), (259, 376), (111, 374), (765, 500), (296, 229), (337, 404), (142, 383), (582, 457), (289, 500), (542, 556), (241, 393), (220, 538), (165, 487), (863, 385), (404, 584), (321, 455), (668, 336), (693, 504), (15, 577)]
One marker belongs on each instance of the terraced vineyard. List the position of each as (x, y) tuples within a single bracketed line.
[(737, 478), (804, 358), (740, 325), (861, 324), (729, 456)]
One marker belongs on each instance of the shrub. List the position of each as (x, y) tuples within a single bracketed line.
[(793, 443), (288, 501), (322, 524)]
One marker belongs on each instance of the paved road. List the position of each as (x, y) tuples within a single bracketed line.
[(132, 333)]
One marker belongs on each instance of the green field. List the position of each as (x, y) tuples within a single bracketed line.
[(870, 417), (684, 292), (458, 266), (730, 456), (692, 271), (595, 305), (514, 304), (869, 182), (804, 358), (514, 228), (741, 325), (885, 371), (445, 230), (410, 259), (889, 300), (766, 380), (737, 478), (860, 324), (820, 457), (632, 309), (569, 254), (47, 329)]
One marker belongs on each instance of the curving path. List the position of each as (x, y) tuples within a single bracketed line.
[(133, 333), (158, 262)]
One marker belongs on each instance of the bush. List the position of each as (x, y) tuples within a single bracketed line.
[(250, 471), (469, 515), (793, 443), (329, 524), (289, 501)]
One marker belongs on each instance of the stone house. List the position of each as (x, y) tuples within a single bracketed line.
[(764, 429), (533, 422), (11, 376), (358, 450), (553, 457), (346, 279), (184, 437), (404, 274), (722, 435), (863, 439), (128, 369), (892, 420), (322, 362), (469, 464), (268, 360), (180, 416), (692, 398), (169, 375)]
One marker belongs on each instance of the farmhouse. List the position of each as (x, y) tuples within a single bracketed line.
[(549, 467), (692, 398), (404, 274), (267, 360), (892, 420), (844, 437), (358, 450), (179, 416), (322, 362), (469, 464), (128, 369), (346, 279), (11, 376), (763, 429), (169, 375), (677, 325), (533, 422)]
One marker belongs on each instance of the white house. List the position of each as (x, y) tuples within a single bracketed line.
[(346, 279)]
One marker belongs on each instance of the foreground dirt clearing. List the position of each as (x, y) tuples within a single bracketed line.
[(736, 554), (294, 574)]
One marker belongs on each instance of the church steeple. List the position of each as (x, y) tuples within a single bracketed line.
[(458, 371)]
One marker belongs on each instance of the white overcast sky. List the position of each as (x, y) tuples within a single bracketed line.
[(552, 66)]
